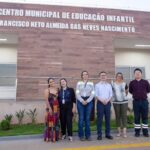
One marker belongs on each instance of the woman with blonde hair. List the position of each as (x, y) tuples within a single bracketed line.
[(120, 102)]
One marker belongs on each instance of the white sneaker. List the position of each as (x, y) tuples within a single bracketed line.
[(70, 138), (63, 137)]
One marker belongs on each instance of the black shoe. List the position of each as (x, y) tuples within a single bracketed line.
[(99, 138), (82, 139), (146, 135), (88, 138), (137, 135), (109, 137)]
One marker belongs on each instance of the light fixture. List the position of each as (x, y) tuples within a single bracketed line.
[(141, 45), (3, 40)]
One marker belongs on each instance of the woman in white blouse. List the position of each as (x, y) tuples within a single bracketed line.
[(84, 95)]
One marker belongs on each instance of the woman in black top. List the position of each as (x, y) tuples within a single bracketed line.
[(67, 100)]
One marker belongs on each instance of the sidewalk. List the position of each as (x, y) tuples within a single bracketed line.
[(35, 142), (40, 136)]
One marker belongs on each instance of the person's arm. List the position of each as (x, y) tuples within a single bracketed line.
[(92, 94), (78, 93), (59, 96), (130, 88), (110, 93), (97, 93), (148, 87), (73, 98), (126, 89), (46, 94)]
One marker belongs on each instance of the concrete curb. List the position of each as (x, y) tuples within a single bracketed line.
[(21, 137), (40, 136)]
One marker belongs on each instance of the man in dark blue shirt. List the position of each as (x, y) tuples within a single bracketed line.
[(139, 88)]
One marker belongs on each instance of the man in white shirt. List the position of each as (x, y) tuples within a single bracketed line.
[(103, 93)]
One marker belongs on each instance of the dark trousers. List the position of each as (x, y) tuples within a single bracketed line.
[(140, 108), (66, 119), (101, 111)]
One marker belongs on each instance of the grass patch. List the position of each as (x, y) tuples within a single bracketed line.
[(25, 129), (31, 129)]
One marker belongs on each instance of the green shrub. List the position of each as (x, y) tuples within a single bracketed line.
[(5, 125), (130, 116), (32, 115), (20, 115), (8, 117), (130, 119)]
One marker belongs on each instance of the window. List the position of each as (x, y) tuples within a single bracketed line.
[(7, 74), (8, 63), (128, 72)]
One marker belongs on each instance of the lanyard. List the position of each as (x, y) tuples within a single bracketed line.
[(63, 94), (63, 97), (85, 84)]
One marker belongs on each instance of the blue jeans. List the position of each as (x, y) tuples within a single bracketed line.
[(101, 111), (84, 112)]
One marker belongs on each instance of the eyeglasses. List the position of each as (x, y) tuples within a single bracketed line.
[(103, 75), (85, 74)]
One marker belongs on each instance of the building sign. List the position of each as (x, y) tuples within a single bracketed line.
[(27, 18)]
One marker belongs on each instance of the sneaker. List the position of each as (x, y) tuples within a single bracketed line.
[(70, 138), (63, 137), (125, 135)]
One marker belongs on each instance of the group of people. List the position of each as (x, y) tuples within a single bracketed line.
[(61, 105)]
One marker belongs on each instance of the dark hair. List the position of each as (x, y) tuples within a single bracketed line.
[(102, 72), (119, 73), (137, 69), (49, 80), (64, 80), (47, 109), (83, 72)]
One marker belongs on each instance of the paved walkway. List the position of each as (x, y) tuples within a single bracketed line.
[(36, 143)]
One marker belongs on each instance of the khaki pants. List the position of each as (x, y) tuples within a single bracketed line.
[(121, 114)]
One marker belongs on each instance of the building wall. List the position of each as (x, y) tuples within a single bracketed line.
[(11, 107), (43, 52)]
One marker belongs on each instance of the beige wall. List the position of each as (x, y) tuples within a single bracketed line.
[(11, 107)]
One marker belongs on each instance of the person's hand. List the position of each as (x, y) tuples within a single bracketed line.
[(50, 110), (84, 102), (105, 102), (73, 110)]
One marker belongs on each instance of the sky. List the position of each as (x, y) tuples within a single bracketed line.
[(140, 5)]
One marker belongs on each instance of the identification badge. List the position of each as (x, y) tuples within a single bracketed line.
[(63, 101)]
